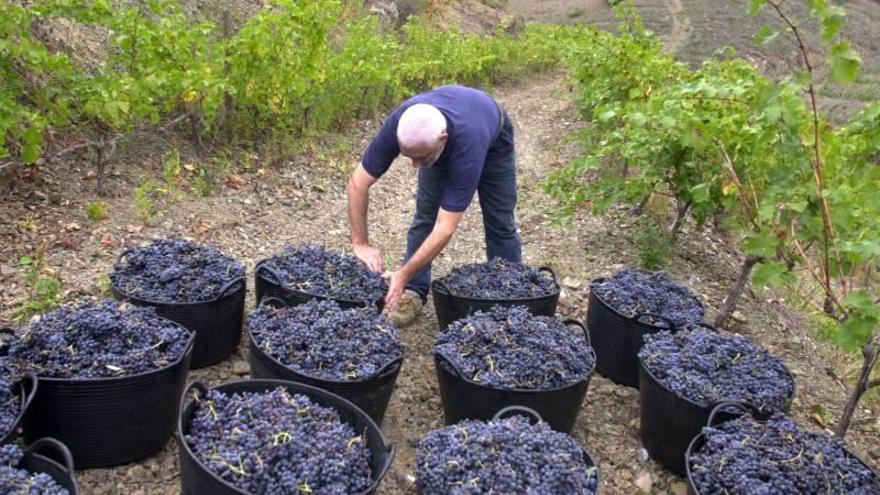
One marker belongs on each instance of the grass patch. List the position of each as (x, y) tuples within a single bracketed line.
[(43, 287), (97, 211)]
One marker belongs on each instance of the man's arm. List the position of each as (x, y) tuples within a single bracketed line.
[(446, 225), (358, 205)]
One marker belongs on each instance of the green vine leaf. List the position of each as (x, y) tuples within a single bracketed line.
[(845, 62)]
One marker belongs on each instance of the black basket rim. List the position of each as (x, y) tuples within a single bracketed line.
[(25, 398), (62, 468), (109, 379), (439, 356), (593, 464), (223, 294), (389, 368), (439, 285), (698, 441), (269, 384), (711, 405), (363, 302), (635, 319)]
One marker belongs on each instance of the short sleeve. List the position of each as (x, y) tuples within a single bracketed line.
[(383, 149)]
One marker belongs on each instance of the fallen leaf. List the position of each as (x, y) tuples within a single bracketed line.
[(108, 242), (202, 228), (72, 226), (134, 229), (67, 241), (233, 182)]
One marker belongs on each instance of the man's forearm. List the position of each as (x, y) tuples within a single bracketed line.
[(358, 199), (430, 248)]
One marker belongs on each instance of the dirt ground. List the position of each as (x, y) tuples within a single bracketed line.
[(303, 200), (299, 202)]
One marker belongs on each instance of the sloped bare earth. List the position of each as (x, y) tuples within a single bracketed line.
[(303, 201)]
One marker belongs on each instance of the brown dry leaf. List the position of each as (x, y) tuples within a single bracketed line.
[(233, 181), (191, 167), (108, 242), (202, 228), (67, 241), (72, 226), (134, 229)]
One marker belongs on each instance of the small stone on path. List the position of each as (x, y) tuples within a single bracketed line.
[(644, 482), (678, 488), (241, 368), (572, 283)]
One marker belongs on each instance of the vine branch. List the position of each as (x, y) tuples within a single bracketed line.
[(812, 271), (827, 226)]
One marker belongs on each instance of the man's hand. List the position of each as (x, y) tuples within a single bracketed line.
[(358, 199), (370, 256), (443, 229), (396, 284)]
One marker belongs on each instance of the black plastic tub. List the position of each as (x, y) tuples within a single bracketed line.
[(617, 338), (464, 398), (50, 456), (669, 422), (268, 284), (109, 421), (27, 390), (450, 307), (728, 411), (217, 323), (371, 395), (197, 479), (535, 417)]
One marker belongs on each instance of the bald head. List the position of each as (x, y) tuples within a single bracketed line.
[(421, 127)]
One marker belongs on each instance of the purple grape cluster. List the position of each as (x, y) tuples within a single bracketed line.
[(509, 348), (19, 481), (95, 340), (503, 456), (316, 270), (322, 340), (706, 366), (10, 404), (175, 271), (634, 292), (776, 457), (275, 443), (499, 279)]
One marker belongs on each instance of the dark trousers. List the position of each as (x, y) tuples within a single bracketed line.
[(497, 192)]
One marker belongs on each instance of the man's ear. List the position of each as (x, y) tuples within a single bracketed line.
[(443, 136)]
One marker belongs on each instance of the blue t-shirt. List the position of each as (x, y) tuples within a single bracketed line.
[(476, 135)]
